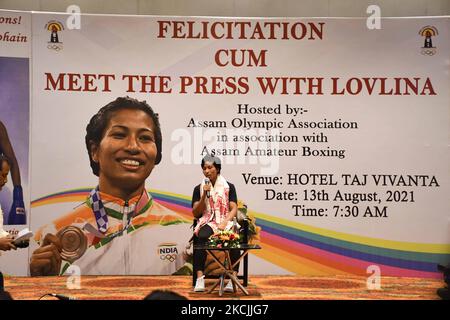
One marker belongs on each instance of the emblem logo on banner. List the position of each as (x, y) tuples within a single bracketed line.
[(54, 27), (428, 32), (168, 251)]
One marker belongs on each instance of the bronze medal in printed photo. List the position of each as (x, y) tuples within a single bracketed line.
[(73, 242)]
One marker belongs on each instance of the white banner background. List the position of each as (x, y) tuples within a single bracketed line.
[(396, 134)]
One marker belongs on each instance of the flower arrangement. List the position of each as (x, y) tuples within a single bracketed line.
[(224, 239)]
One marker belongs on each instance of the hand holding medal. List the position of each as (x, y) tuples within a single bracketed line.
[(46, 261)]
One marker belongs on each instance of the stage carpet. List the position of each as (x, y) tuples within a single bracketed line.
[(260, 287)]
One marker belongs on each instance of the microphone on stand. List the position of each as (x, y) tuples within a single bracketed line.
[(207, 183)]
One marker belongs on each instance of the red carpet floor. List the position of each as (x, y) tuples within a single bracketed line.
[(260, 287)]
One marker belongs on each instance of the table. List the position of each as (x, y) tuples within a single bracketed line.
[(226, 267)]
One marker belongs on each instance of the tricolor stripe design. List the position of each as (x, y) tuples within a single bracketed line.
[(308, 250)]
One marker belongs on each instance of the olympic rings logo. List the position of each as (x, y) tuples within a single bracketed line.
[(170, 257), (54, 47), (428, 52)]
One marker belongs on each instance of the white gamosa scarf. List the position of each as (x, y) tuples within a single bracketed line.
[(217, 205)]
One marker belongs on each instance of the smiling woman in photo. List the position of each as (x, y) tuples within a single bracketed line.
[(119, 229)]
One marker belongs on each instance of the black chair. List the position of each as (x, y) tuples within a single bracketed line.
[(244, 233)]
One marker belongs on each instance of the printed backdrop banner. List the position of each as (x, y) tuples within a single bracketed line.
[(335, 135), (15, 54)]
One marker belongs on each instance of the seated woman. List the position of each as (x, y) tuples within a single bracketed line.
[(214, 204)]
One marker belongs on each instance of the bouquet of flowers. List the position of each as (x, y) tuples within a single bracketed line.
[(224, 239)]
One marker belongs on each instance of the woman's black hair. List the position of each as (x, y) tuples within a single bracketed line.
[(98, 123), (214, 160), (3, 158), (164, 295)]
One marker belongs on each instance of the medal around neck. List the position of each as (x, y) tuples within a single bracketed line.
[(73, 242)]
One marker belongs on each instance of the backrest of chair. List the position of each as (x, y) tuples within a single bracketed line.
[(244, 232)]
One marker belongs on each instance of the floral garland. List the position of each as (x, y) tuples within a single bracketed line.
[(224, 239)]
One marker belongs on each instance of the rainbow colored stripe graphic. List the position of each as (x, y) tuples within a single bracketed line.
[(308, 250)]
